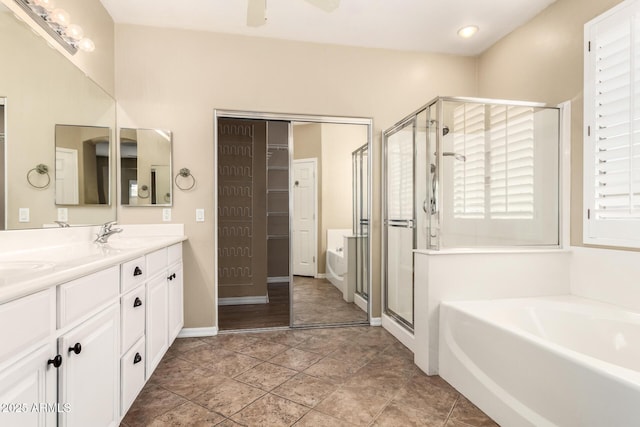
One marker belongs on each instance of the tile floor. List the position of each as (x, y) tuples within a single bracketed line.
[(318, 302), (315, 377)]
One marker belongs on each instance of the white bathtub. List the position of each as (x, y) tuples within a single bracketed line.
[(563, 361), (336, 267)]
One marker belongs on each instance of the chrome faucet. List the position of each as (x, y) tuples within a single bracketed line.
[(62, 224), (106, 231)]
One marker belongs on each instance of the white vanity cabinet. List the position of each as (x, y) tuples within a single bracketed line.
[(89, 375), (164, 302), (75, 354), (27, 382)]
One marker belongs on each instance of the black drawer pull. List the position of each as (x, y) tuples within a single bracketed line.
[(137, 358), (137, 271), (76, 348), (172, 276), (137, 302), (56, 361)]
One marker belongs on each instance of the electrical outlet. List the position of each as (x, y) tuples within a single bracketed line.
[(166, 214), (23, 215), (63, 214), (199, 215)]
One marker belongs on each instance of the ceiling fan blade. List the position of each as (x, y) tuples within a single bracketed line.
[(326, 5), (256, 12)]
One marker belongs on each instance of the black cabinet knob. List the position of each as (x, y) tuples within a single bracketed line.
[(137, 302), (137, 358), (172, 276), (77, 348), (56, 361), (137, 271)]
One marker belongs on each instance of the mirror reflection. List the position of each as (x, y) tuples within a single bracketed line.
[(82, 165), (145, 167), (38, 80), (327, 292)]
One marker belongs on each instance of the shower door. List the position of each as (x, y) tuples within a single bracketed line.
[(399, 221)]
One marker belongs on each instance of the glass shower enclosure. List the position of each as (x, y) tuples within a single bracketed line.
[(360, 158), (466, 173)]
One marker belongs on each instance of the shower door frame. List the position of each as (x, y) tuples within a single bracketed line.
[(411, 120), (291, 118)]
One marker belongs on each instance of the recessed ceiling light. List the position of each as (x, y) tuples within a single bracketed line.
[(468, 31)]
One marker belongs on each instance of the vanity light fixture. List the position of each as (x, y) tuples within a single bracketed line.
[(468, 31), (57, 23)]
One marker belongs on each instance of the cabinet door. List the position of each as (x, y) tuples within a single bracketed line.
[(28, 390), (90, 372), (176, 311), (157, 336)]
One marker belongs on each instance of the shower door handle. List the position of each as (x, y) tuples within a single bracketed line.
[(403, 223)]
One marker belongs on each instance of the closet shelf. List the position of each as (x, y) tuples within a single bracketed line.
[(278, 168), (277, 236), (277, 190), (277, 147), (277, 213)]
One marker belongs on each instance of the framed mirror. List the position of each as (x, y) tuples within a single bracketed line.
[(41, 89), (145, 167), (82, 165)]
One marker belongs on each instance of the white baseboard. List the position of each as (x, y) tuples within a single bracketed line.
[(375, 321), (321, 276), (280, 279), (244, 300), (198, 332), (361, 303)]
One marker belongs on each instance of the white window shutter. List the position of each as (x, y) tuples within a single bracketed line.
[(612, 119)]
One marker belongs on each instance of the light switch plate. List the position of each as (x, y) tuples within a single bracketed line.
[(166, 214), (63, 214), (199, 215), (23, 215)]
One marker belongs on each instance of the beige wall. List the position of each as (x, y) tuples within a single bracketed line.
[(543, 61), (338, 142), (174, 79)]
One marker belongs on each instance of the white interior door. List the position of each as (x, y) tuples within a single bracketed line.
[(304, 217), (66, 176)]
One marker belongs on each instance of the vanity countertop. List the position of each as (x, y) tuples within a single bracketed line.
[(26, 271)]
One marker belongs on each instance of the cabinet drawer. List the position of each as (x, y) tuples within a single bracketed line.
[(156, 262), (133, 273), (174, 253), (26, 321), (79, 297), (132, 371), (133, 306)]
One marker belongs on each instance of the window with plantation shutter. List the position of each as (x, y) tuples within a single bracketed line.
[(497, 142), (511, 162), (468, 175), (612, 134)]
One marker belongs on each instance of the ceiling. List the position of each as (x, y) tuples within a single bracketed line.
[(415, 25)]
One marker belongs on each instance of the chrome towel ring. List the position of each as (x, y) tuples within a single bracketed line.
[(40, 169), (185, 173)]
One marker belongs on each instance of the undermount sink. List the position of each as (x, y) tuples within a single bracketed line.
[(128, 242), (11, 268)]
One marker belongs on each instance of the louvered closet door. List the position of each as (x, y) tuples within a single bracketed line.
[(242, 262)]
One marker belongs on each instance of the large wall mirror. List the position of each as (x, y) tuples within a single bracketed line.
[(145, 167), (41, 89)]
